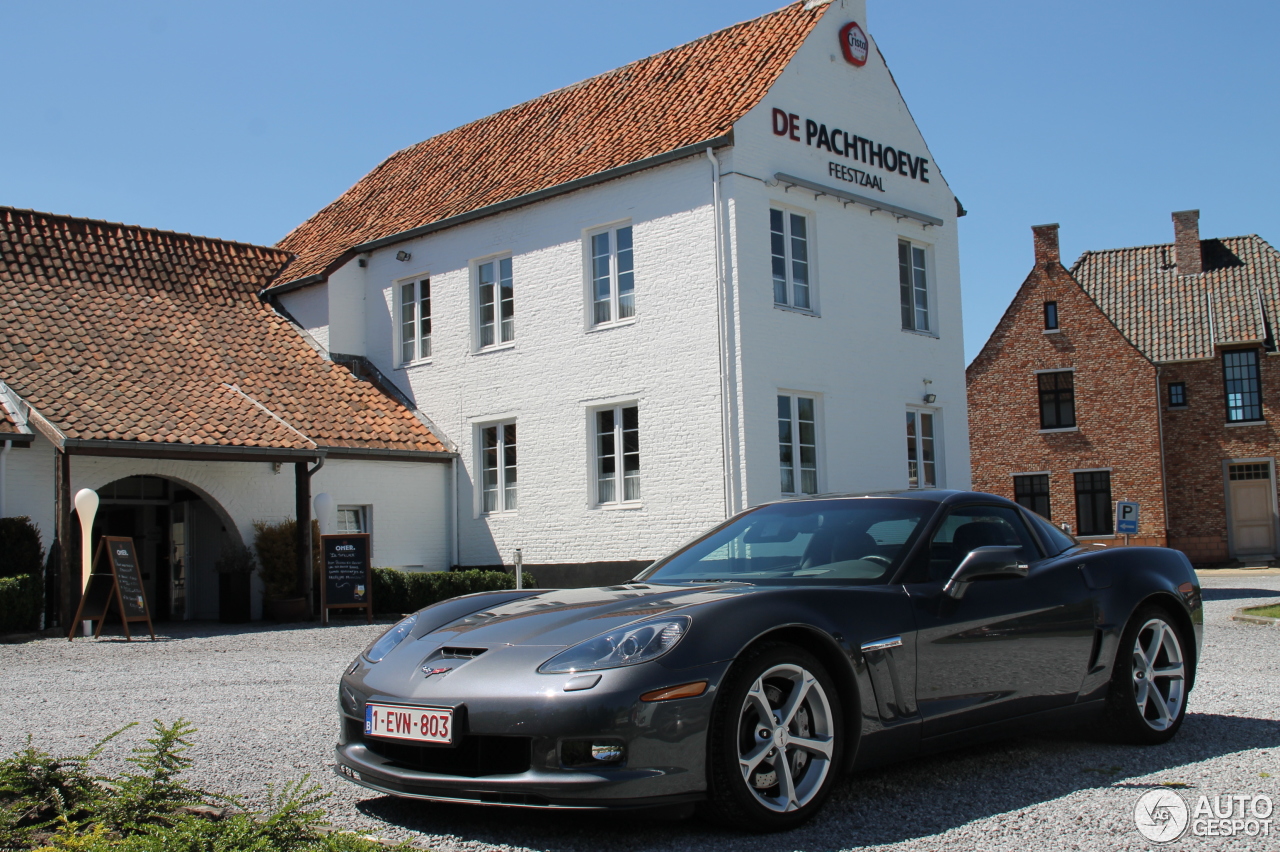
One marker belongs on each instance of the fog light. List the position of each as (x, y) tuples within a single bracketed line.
[(607, 752)]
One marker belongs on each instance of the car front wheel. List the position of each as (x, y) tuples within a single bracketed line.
[(1148, 697), (775, 742)]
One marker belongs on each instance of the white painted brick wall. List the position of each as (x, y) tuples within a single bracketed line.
[(410, 500)]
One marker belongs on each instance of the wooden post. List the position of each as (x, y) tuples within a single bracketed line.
[(302, 542), (68, 550)]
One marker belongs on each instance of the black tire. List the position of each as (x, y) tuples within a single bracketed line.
[(1142, 709), (769, 794)]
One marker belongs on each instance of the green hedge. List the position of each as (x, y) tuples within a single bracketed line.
[(20, 550), (20, 600), (396, 591)]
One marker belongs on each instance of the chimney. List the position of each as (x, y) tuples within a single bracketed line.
[(1186, 242), (1046, 238)]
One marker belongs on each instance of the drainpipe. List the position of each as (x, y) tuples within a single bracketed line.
[(1164, 475), (722, 319), (4, 463), (453, 516), (302, 540)]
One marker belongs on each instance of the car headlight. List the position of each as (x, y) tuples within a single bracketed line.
[(625, 646), (393, 637)]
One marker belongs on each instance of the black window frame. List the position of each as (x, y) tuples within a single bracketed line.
[(1177, 394), (1246, 381), (1057, 399), (1093, 503), (1051, 316), (1031, 497)]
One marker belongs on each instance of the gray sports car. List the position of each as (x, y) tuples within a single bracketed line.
[(751, 668)]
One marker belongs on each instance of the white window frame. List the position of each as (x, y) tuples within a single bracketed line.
[(795, 448), (363, 512), (916, 445), (620, 497), (506, 476), (931, 308), (615, 301), (397, 299), (499, 321), (811, 266)]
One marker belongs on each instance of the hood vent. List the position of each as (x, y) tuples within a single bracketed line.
[(458, 653)]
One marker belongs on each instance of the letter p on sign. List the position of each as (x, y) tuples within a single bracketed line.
[(1126, 517)]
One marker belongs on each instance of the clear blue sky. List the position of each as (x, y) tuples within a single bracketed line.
[(240, 119)]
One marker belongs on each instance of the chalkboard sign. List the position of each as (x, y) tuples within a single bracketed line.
[(128, 578), (120, 581), (348, 574)]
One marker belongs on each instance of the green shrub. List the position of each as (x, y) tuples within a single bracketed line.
[(57, 804), (275, 546), (20, 550), (20, 601), (396, 591)]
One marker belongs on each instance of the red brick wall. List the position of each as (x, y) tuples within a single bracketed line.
[(1197, 443), (1115, 392)]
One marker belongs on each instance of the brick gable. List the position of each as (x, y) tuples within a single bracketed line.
[(1116, 413)]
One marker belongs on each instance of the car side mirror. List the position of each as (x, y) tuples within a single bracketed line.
[(984, 563)]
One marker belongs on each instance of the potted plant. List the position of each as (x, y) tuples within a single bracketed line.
[(235, 568), (274, 543)]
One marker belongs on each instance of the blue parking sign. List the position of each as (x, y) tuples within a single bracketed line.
[(1126, 517)]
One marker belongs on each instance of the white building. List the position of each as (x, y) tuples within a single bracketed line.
[(144, 365), (708, 279)]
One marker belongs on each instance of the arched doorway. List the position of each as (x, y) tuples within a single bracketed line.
[(178, 535)]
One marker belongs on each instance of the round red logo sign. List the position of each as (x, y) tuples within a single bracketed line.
[(853, 41)]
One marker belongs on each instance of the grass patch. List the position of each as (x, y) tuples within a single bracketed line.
[(59, 804), (1268, 611)]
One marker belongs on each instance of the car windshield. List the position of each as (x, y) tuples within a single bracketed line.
[(851, 540)]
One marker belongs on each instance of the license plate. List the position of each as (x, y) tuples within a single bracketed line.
[(418, 724)]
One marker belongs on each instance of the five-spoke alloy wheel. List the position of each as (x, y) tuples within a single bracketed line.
[(776, 739), (1149, 685)]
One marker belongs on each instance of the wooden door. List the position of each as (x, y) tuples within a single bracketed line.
[(1252, 516)]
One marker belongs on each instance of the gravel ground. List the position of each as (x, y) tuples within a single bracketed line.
[(264, 701)]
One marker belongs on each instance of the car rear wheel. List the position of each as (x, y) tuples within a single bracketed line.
[(1148, 697), (776, 740)]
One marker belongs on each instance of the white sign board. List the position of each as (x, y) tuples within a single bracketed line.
[(1126, 517)]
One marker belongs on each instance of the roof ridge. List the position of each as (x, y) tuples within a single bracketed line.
[(1158, 245), (81, 220)]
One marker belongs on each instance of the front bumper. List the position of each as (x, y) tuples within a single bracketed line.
[(520, 738)]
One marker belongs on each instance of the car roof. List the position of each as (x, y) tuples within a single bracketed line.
[(933, 495)]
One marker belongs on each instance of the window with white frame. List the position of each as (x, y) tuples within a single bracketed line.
[(353, 519), (415, 320), (798, 444), (498, 467), (913, 286), (495, 293), (617, 454), (612, 276), (922, 458), (789, 247)]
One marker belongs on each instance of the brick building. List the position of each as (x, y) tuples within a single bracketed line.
[(1140, 374)]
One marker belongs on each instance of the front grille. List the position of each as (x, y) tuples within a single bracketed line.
[(473, 757)]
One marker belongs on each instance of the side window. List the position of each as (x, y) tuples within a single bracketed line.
[(913, 286), (1054, 539), (970, 527), (789, 249)]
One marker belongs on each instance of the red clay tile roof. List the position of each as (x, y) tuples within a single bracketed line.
[(115, 332), (8, 426), (1174, 318), (690, 94)]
